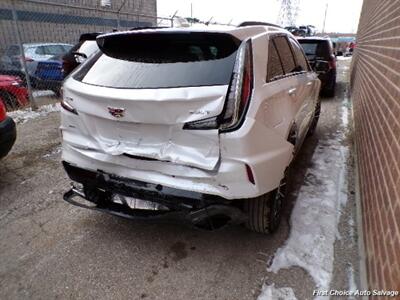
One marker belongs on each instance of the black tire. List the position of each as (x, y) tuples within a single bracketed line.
[(9, 101), (315, 120), (264, 212)]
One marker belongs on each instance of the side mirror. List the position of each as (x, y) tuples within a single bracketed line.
[(321, 66), (79, 57)]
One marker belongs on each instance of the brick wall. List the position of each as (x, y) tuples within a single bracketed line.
[(376, 97)]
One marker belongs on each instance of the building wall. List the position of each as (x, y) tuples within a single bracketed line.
[(66, 21), (376, 97)]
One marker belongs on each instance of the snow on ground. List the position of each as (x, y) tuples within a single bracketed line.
[(344, 57), (270, 292), (23, 115), (352, 281), (316, 214)]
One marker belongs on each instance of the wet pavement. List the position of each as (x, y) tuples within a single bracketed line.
[(50, 249)]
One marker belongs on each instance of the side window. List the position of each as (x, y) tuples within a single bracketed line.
[(286, 55), (274, 70), (300, 58), (40, 50)]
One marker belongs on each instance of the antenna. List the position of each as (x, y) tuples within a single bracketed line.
[(288, 12)]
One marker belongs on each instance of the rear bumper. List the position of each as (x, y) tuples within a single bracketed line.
[(175, 199), (8, 134), (328, 80)]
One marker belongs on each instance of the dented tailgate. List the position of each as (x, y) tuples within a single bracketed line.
[(151, 125)]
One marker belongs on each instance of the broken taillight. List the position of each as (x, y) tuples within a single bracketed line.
[(239, 94)]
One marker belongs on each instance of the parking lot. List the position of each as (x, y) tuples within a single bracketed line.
[(50, 249)]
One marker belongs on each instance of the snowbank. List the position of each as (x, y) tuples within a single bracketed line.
[(22, 116), (270, 292), (316, 214)]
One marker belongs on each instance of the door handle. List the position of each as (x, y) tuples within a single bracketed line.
[(292, 92), (309, 83)]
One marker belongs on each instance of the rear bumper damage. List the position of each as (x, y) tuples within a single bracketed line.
[(100, 188)]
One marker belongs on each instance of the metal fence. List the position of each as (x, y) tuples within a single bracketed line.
[(35, 35)]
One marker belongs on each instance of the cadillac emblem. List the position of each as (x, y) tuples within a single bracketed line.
[(116, 112)]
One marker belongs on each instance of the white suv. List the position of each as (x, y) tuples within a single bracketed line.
[(192, 122)]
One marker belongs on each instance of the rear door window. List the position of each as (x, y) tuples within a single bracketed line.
[(162, 60), (286, 55), (300, 58), (275, 69)]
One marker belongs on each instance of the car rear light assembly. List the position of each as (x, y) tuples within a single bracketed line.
[(332, 63), (239, 95), (67, 106), (3, 111)]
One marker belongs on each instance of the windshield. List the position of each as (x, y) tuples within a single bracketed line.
[(162, 61)]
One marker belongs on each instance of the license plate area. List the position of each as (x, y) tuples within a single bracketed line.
[(134, 203)]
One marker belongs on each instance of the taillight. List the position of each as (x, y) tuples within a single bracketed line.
[(240, 89), (67, 106), (332, 63), (238, 97), (3, 111)]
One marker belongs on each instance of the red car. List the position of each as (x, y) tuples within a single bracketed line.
[(12, 92), (8, 132)]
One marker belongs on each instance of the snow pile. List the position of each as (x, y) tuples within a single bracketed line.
[(269, 292), (22, 116), (316, 215), (344, 57), (57, 150)]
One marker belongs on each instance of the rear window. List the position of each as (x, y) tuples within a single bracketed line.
[(316, 49), (161, 60)]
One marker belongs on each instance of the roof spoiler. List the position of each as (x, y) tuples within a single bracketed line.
[(256, 23), (90, 36)]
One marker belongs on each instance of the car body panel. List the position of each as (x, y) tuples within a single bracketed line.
[(152, 124), (14, 86), (8, 131), (204, 161)]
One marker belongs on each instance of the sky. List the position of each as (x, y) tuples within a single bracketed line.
[(342, 15)]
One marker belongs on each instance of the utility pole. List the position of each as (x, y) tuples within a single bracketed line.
[(118, 15), (326, 13)]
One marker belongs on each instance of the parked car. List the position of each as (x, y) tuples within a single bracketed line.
[(49, 75), (202, 123), (8, 132), (320, 54), (34, 53), (85, 48), (12, 92)]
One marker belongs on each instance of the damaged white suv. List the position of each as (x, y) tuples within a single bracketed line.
[(189, 122)]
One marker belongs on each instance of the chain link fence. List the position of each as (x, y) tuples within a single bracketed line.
[(35, 36)]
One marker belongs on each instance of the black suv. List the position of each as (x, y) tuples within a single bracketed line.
[(320, 54)]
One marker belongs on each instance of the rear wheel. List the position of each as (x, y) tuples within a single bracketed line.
[(264, 212)]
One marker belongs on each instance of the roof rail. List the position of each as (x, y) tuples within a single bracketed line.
[(256, 23)]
